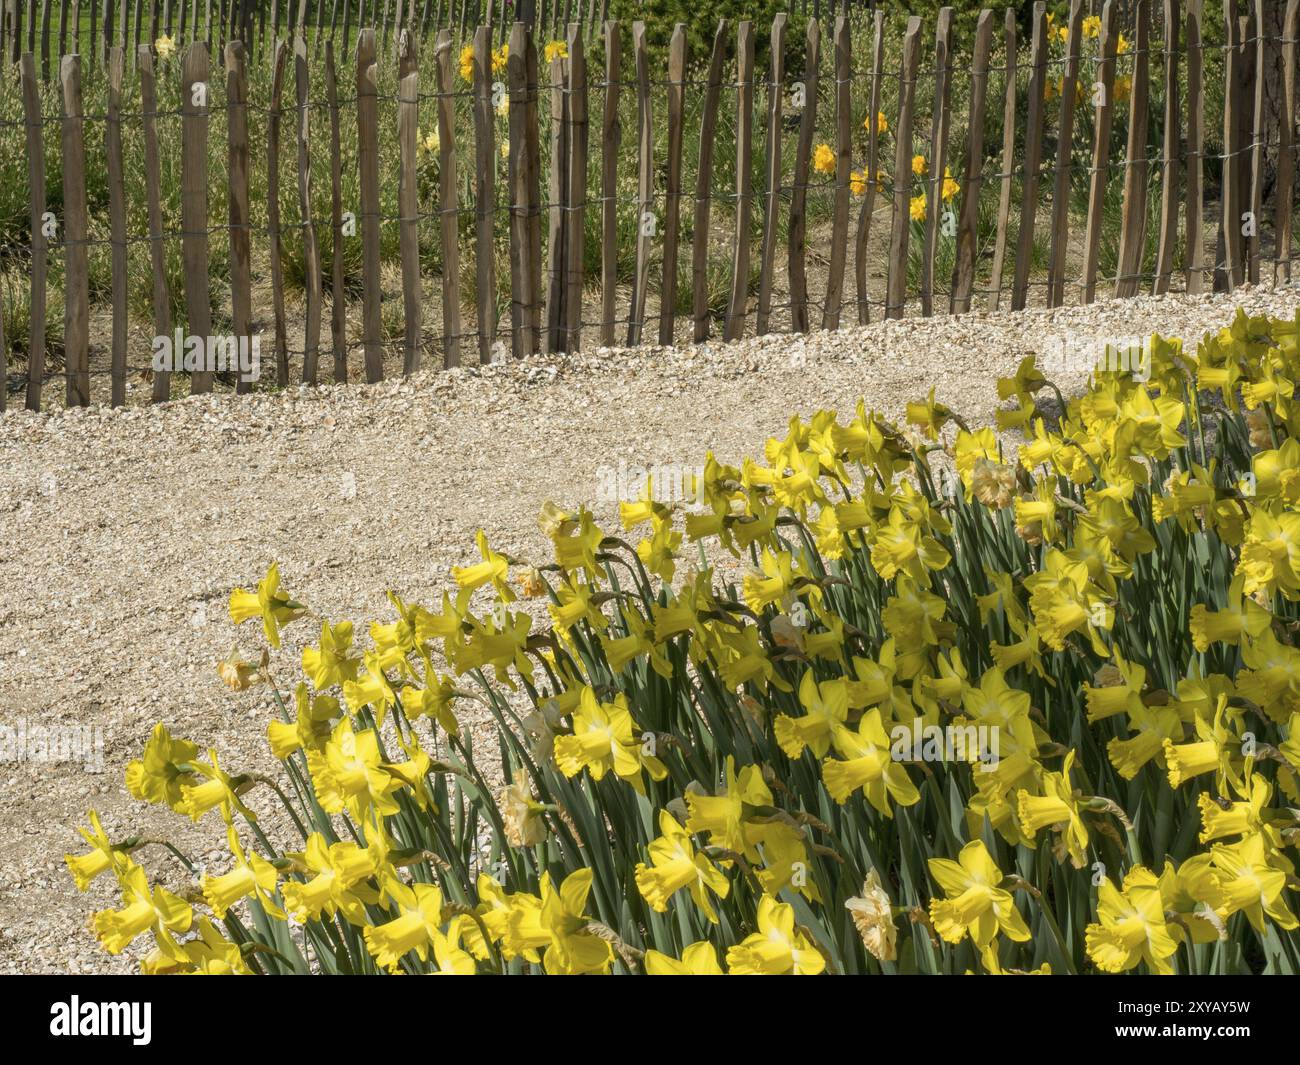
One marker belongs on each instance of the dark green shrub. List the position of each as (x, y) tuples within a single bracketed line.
[(701, 22)]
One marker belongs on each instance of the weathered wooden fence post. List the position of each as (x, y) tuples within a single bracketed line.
[(1282, 219), (40, 241), (557, 192), (703, 187), (1008, 161), (117, 220), (310, 239), (368, 157), (673, 192), (644, 186), (408, 202), (447, 186), (1032, 159), (237, 166), (575, 266), (76, 284), (273, 121), (338, 305), (843, 163), (1169, 165), (896, 285), (162, 316), (610, 139), (870, 179), (938, 154), (734, 328), (772, 171), (1133, 227), (1060, 227), (963, 271), (484, 194), (1103, 116)]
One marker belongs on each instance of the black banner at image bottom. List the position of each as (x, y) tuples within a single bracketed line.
[(138, 1014)]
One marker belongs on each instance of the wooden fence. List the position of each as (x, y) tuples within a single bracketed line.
[(49, 28), (572, 109)]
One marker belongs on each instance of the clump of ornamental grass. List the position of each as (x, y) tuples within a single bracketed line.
[(1041, 714)]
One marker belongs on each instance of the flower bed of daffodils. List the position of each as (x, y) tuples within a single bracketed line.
[(761, 779)]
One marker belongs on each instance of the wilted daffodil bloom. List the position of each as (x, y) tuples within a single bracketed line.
[(236, 673), (873, 916), (522, 815)]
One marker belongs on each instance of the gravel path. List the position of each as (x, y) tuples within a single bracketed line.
[(124, 532)]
